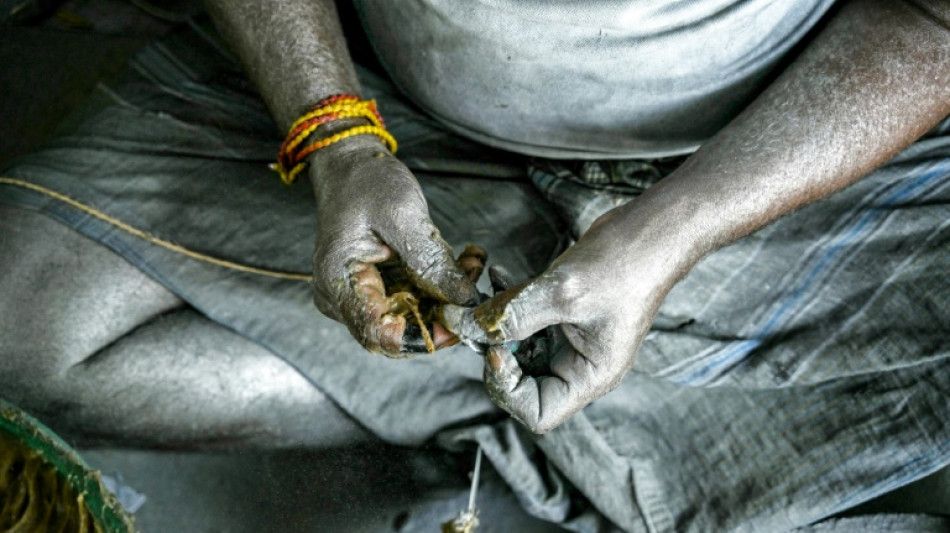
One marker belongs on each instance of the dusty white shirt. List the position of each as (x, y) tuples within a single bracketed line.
[(585, 79)]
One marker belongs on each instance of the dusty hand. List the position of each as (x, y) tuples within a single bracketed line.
[(601, 296), (372, 211)]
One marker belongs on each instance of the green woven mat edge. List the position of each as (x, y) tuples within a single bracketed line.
[(101, 503)]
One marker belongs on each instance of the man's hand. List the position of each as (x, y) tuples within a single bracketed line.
[(871, 82), (601, 295), (372, 210)]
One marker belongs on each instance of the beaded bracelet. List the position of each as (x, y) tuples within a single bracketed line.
[(292, 156)]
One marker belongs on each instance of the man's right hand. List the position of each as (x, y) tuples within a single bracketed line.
[(371, 209)]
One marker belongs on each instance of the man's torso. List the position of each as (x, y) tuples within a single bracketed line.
[(575, 79)]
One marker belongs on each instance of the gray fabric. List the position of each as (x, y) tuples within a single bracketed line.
[(610, 78), (790, 376), (891, 523)]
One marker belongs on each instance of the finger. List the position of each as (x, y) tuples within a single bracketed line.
[(543, 403), (501, 279), (368, 312), (442, 337), (414, 342), (431, 264), (460, 321), (329, 290), (517, 313), (472, 262)]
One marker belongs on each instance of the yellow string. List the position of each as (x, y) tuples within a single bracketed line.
[(153, 239), (413, 307), (356, 130), (365, 106), (291, 176), (343, 114)]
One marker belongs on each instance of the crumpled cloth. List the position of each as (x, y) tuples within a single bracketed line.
[(790, 376)]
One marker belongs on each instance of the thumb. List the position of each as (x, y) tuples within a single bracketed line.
[(520, 311), (432, 266)]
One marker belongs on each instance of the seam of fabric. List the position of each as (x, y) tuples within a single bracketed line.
[(168, 245)]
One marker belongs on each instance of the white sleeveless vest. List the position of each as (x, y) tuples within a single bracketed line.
[(585, 79)]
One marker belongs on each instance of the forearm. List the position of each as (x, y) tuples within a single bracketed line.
[(293, 50), (874, 80)]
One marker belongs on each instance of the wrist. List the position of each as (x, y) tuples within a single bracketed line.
[(665, 238), (331, 121), (326, 164)]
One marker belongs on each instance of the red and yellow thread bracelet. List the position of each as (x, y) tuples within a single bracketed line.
[(308, 124), (291, 175), (307, 128), (329, 109), (368, 107), (291, 158)]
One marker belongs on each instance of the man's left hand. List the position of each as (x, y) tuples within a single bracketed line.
[(603, 294)]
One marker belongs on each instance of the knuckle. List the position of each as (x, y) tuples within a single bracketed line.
[(611, 383), (542, 427), (567, 289), (404, 191), (546, 422), (528, 418), (536, 428)]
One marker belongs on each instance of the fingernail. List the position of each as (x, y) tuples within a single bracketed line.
[(412, 340), (442, 338), (495, 360)]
